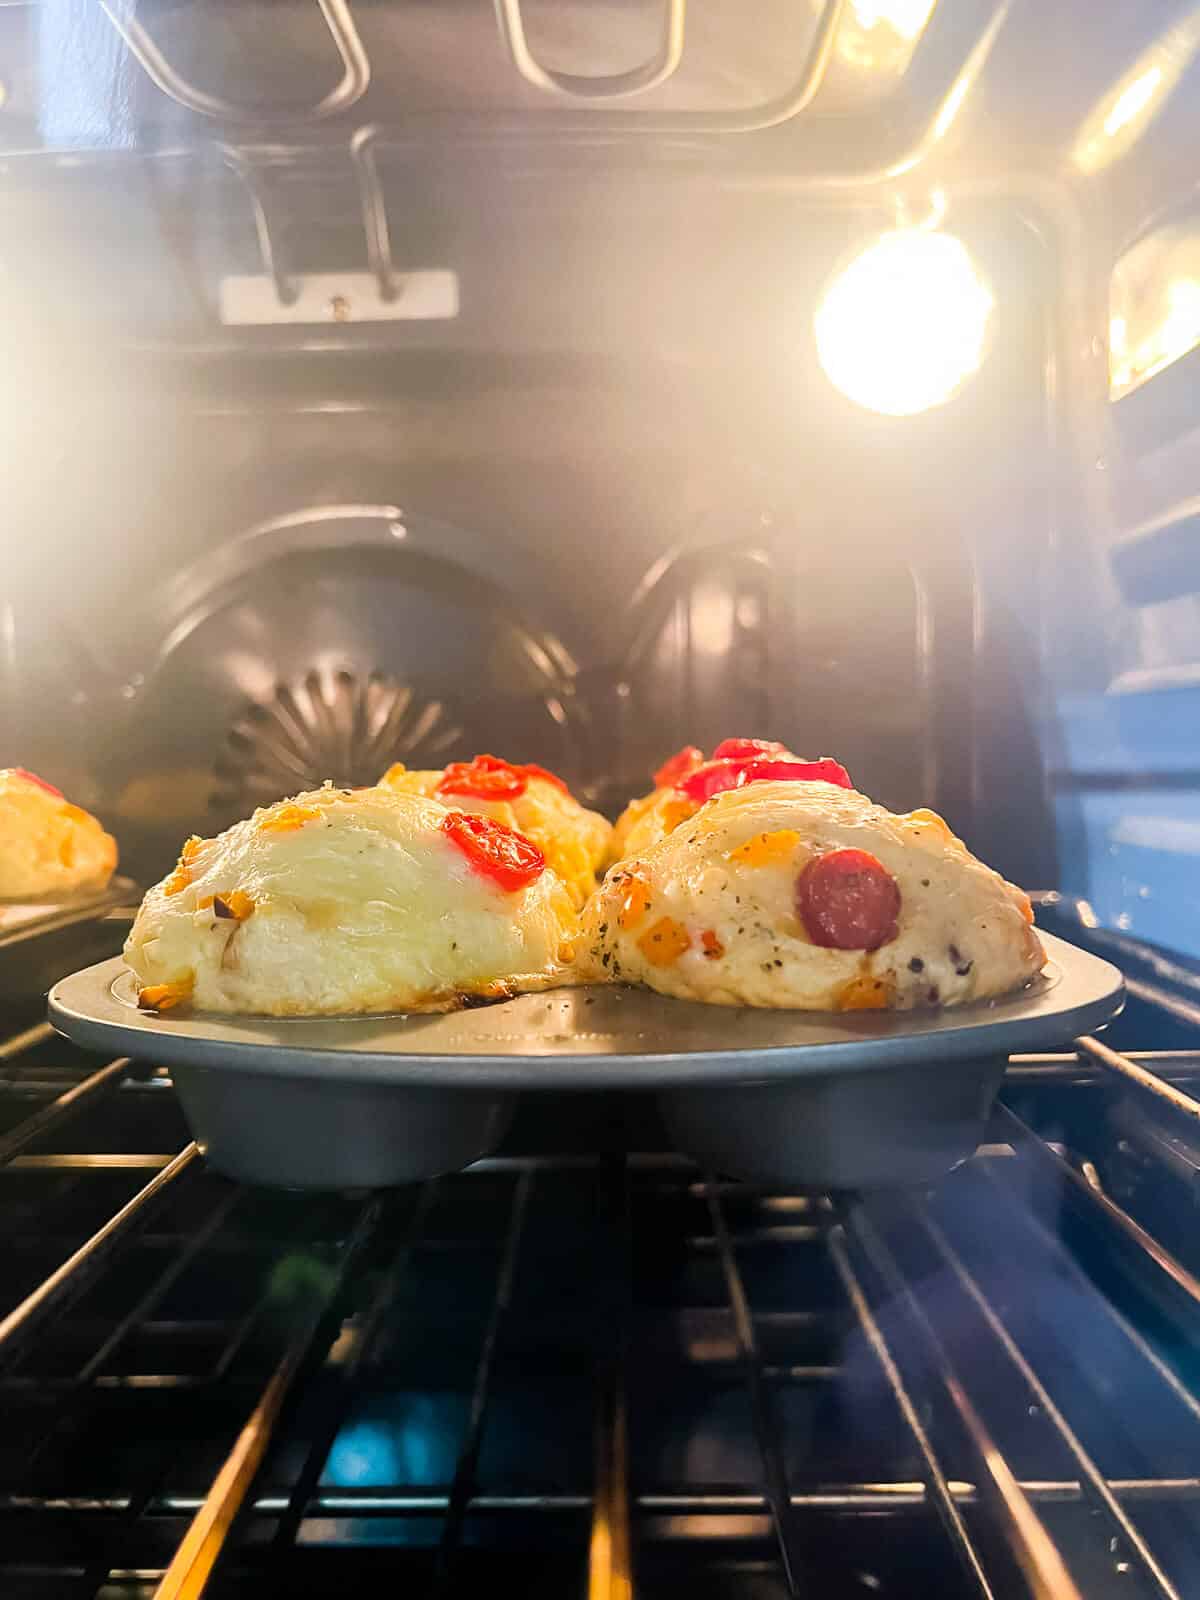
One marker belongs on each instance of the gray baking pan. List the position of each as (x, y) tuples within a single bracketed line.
[(835, 1101), (40, 940)]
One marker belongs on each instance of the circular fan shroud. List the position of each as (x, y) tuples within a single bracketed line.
[(324, 646), (330, 725)]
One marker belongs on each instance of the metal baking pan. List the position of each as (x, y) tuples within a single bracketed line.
[(40, 940), (830, 1101)]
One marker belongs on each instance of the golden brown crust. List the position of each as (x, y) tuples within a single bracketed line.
[(47, 845)]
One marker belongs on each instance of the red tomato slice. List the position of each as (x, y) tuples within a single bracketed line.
[(32, 777), (825, 770), (714, 777), (681, 763), (848, 900), (484, 778), (489, 778), (502, 854), (532, 770), (748, 749)]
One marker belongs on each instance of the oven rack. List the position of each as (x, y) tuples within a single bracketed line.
[(894, 1304)]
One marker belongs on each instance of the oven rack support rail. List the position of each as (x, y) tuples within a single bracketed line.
[(920, 1374)]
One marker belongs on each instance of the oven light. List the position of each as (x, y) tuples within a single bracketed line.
[(905, 324)]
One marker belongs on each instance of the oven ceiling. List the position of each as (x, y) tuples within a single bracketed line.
[(859, 89)]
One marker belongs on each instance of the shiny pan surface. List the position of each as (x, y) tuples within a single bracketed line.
[(847, 1100), (42, 939)]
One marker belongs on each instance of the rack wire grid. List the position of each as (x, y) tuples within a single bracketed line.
[(611, 1375)]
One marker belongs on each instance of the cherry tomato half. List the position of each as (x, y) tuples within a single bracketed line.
[(502, 854), (681, 763), (489, 778), (748, 749), (532, 770), (484, 778), (714, 777), (32, 777)]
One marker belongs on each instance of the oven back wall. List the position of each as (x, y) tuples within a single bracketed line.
[(634, 513)]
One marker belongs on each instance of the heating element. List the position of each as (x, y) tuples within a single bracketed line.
[(586, 1366)]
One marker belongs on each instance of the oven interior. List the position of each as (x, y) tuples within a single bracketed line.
[(389, 382)]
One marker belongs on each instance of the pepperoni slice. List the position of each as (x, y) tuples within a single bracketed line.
[(502, 854), (680, 764), (32, 777), (848, 900)]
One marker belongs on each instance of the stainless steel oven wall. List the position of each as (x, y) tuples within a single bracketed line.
[(1122, 747)]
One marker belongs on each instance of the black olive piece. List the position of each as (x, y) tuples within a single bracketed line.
[(222, 908), (916, 965)]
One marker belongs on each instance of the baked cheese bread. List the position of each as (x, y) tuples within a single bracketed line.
[(47, 845), (805, 894), (347, 901)]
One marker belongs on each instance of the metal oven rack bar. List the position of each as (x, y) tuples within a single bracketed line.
[(579, 89), (926, 1381), (936, 1482), (256, 176), (766, 1426), (655, 70), (1036, 1554), (350, 88)]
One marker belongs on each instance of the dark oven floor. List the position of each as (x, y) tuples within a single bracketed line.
[(603, 1373)]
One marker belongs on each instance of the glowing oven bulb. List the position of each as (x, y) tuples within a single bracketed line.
[(905, 324)]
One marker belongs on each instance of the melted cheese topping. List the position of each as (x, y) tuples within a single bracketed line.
[(573, 840), (345, 901), (648, 819), (47, 845), (720, 892)]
